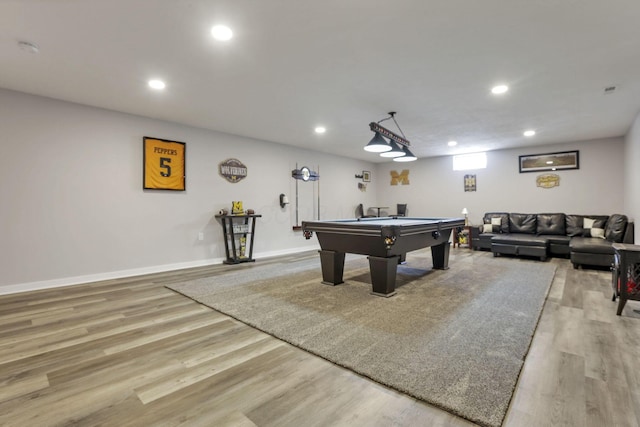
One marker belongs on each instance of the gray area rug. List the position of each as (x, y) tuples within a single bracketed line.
[(456, 338)]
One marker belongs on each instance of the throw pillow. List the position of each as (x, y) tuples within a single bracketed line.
[(587, 224), (487, 228), (496, 224), (597, 232)]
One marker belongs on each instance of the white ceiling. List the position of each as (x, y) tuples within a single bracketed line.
[(296, 64)]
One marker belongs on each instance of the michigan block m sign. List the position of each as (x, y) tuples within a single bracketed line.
[(402, 177)]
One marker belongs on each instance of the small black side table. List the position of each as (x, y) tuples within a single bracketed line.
[(241, 227), (626, 274), (464, 231)]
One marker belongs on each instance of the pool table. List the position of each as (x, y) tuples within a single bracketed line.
[(386, 241)]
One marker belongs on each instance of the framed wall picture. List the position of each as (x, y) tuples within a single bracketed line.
[(469, 183), (366, 176), (164, 164), (550, 161)]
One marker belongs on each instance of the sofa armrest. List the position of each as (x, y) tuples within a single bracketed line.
[(475, 232), (629, 233)]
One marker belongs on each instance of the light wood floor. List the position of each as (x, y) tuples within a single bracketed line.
[(130, 352)]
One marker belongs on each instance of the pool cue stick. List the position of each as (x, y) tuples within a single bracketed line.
[(296, 197), (318, 192)]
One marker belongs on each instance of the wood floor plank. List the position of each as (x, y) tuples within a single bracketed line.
[(233, 419), (12, 387), (234, 389), (164, 386), (174, 348), (602, 354), (130, 352)]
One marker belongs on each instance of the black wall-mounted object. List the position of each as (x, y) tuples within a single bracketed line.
[(283, 200)]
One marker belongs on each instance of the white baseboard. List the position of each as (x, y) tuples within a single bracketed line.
[(77, 280)]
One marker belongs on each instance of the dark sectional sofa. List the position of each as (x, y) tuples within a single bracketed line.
[(585, 239)]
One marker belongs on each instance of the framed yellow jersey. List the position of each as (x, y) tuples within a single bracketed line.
[(164, 164)]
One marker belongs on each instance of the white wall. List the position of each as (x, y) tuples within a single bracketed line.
[(632, 174), (436, 190), (73, 208)]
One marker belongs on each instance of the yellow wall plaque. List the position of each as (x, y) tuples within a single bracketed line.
[(548, 180)]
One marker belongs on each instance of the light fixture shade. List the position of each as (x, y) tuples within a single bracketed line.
[(465, 211), (408, 156), (394, 152), (377, 144)]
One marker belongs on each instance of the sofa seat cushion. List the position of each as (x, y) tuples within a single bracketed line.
[(487, 236), (591, 245), (555, 239), (519, 239)]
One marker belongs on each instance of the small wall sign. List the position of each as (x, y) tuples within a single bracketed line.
[(550, 161), (548, 180), (469, 183), (233, 170), (402, 177)]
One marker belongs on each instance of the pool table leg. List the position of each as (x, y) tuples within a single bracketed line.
[(440, 256), (332, 267), (383, 275)]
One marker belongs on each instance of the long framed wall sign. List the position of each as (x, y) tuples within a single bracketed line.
[(164, 164), (550, 161)]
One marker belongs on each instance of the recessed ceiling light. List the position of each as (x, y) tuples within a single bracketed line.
[(320, 129), (529, 132), (157, 84), (221, 32), (452, 143), (28, 47), (500, 89)]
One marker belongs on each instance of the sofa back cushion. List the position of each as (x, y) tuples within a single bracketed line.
[(501, 226), (522, 223), (573, 225), (614, 230), (551, 224)]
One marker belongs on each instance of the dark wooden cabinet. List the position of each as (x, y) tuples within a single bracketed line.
[(626, 274), (463, 238), (239, 232)]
